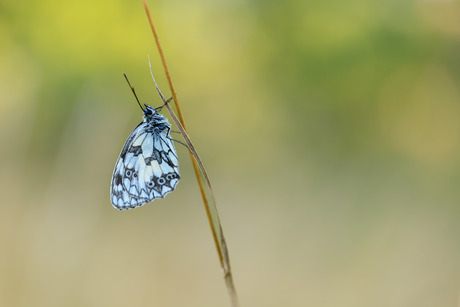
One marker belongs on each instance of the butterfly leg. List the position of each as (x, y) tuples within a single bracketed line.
[(180, 143)]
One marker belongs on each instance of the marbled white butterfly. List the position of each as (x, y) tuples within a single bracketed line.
[(147, 167)]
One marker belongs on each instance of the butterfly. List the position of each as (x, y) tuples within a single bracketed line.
[(147, 167)]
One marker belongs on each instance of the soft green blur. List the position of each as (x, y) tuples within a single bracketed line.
[(330, 131)]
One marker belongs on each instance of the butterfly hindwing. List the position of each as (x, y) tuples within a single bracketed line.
[(147, 167)]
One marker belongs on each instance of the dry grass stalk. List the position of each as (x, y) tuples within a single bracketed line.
[(211, 212)]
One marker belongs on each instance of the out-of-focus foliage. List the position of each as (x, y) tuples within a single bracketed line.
[(330, 130)]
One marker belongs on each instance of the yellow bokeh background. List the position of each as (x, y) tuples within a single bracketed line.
[(330, 131)]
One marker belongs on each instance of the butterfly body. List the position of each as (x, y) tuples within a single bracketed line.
[(147, 167)]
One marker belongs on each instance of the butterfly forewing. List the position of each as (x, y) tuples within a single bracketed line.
[(147, 167)]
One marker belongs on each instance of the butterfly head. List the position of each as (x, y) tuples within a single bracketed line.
[(152, 114), (149, 111)]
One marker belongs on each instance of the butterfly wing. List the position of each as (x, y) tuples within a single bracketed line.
[(147, 168)]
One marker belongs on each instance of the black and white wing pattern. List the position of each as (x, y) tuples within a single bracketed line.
[(147, 167)]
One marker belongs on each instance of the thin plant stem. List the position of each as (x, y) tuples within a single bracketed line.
[(181, 119), (214, 222)]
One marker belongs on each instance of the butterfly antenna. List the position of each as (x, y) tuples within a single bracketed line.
[(134, 92), (165, 103)]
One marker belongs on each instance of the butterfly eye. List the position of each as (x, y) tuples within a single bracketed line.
[(161, 181), (128, 173), (150, 184), (170, 176), (135, 175)]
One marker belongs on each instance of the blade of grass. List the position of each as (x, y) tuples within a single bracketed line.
[(214, 221)]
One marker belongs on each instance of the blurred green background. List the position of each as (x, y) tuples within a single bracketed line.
[(330, 130)]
